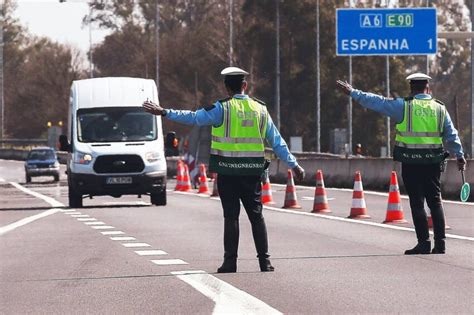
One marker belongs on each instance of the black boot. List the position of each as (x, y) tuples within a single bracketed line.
[(420, 248), (259, 231), (439, 247), (231, 245)]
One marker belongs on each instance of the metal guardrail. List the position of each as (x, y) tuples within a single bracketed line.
[(22, 143)]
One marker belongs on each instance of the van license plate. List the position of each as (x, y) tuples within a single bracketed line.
[(118, 180)]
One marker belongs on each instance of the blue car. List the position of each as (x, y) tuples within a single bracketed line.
[(42, 162)]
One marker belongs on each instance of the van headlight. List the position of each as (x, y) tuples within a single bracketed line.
[(152, 156), (82, 158)]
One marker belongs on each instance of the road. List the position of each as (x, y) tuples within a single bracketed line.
[(124, 256)]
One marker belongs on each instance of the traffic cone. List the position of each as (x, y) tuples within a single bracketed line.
[(266, 197), (430, 223), (290, 195), (179, 176), (186, 182), (320, 204), (215, 191), (358, 209), (203, 186), (394, 205)]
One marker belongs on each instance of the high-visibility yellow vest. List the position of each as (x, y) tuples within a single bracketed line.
[(419, 137), (237, 145)]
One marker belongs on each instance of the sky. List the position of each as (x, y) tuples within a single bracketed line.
[(61, 22)]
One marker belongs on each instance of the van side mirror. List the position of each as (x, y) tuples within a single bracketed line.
[(171, 144), (64, 143)]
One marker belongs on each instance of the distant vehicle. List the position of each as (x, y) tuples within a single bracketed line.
[(116, 147), (42, 162)]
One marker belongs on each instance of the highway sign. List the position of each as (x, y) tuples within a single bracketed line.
[(407, 31)]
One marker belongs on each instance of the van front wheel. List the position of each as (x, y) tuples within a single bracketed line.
[(159, 198), (75, 200)]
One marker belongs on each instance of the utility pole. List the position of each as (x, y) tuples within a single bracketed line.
[(157, 43), (231, 32), (318, 84), (277, 65), (91, 63), (2, 104), (471, 133), (387, 73)]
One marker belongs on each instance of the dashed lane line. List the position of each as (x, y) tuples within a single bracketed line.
[(94, 223), (103, 227), (151, 252), (227, 298), (54, 203), (168, 262), (86, 219), (1, 180), (112, 233), (136, 245), (123, 238)]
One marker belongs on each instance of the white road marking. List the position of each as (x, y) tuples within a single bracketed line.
[(86, 219), (1, 180), (24, 221), (136, 245), (73, 213), (312, 198), (54, 203), (376, 193), (125, 203), (79, 215), (112, 233), (228, 299), (94, 223), (151, 252), (167, 262), (103, 227), (123, 238), (386, 226), (68, 210)]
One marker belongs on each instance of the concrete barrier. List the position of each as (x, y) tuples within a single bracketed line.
[(338, 172)]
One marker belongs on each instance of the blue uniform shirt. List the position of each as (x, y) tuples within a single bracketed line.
[(395, 109), (214, 116)]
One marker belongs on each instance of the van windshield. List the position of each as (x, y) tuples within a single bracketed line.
[(115, 124)]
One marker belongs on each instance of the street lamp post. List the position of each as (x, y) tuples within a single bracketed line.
[(2, 110)]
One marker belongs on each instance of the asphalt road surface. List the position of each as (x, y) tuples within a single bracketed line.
[(124, 256)]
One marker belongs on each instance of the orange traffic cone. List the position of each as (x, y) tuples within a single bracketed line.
[(394, 205), (186, 182), (266, 197), (290, 195), (430, 223), (179, 176), (203, 186), (320, 199), (358, 209), (215, 191)]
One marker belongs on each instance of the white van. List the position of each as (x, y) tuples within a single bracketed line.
[(115, 148)]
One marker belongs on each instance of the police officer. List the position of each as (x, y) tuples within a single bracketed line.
[(240, 124), (423, 123)]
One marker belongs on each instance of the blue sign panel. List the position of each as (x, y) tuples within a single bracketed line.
[(407, 31)]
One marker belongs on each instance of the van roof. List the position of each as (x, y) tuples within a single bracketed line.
[(112, 91)]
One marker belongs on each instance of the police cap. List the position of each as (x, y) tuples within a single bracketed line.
[(233, 71), (418, 77)]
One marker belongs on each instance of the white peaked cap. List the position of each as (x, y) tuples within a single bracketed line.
[(233, 71), (418, 77)]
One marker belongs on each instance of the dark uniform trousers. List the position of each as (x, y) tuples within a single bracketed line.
[(423, 182), (248, 189)]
